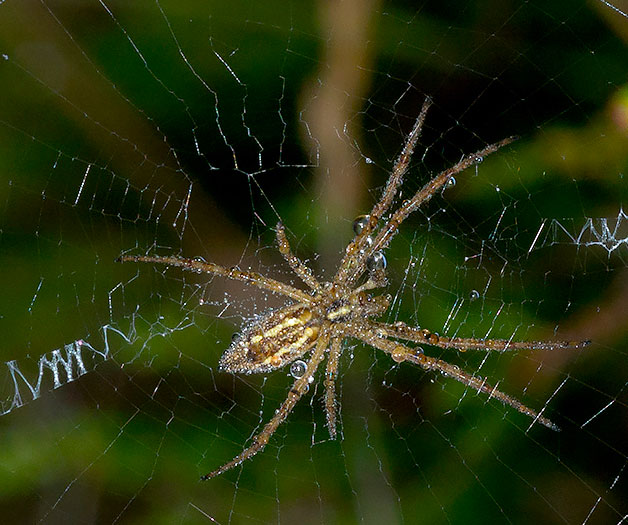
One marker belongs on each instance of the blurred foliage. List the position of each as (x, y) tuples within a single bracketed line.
[(115, 116)]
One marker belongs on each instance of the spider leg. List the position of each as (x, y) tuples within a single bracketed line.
[(299, 387), (389, 230), (401, 330), (293, 261), (400, 353), (330, 384), (392, 186), (199, 266)]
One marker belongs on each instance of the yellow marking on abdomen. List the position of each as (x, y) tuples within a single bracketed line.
[(308, 334), (286, 323)]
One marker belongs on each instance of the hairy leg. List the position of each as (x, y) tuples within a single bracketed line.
[(392, 187), (420, 335), (299, 388), (293, 261), (385, 235), (331, 373), (400, 353), (198, 266)]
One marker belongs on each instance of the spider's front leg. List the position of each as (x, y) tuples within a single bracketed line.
[(299, 388), (390, 229), (362, 238)]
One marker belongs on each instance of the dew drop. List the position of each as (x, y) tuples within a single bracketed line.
[(474, 295), (451, 182), (297, 369), (399, 354), (377, 261), (368, 160), (360, 223)]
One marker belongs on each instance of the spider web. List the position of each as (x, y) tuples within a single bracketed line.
[(192, 128)]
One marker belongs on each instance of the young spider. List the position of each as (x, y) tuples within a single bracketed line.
[(319, 319)]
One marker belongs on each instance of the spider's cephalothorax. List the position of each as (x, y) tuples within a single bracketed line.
[(318, 320)]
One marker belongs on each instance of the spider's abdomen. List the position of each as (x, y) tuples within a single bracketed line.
[(276, 339)]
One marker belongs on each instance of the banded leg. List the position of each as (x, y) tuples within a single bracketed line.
[(392, 186), (198, 266), (331, 373), (400, 353), (420, 335), (299, 387), (293, 261)]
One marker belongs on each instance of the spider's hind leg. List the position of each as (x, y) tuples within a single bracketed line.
[(401, 330), (400, 353), (331, 373), (299, 388)]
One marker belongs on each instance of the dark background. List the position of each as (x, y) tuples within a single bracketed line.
[(192, 128)]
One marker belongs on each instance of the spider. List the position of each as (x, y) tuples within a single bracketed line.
[(319, 319)]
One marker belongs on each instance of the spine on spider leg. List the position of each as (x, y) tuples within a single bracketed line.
[(401, 330), (400, 353), (401, 165), (504, 345), (330, 385), (260, 441), (386, 234), (478, 383), (330, 407), (299, 388), (297, 266), (194, 265), (360, 242), (200, 266)]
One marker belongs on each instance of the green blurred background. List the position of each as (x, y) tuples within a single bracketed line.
[(192, 128)]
